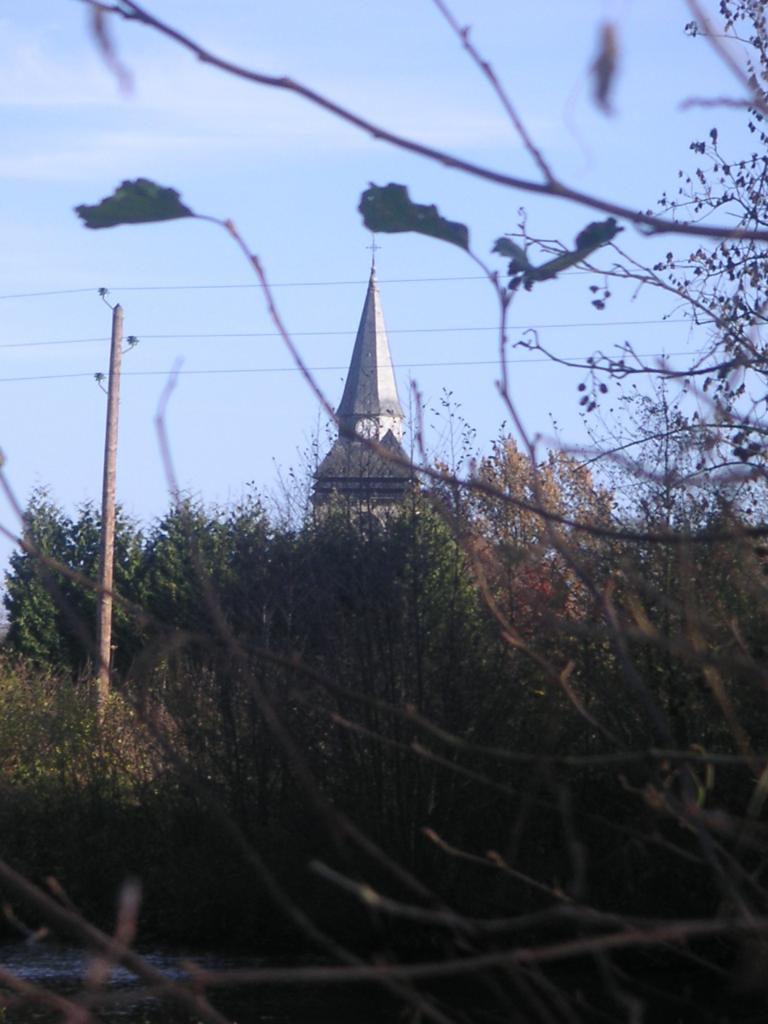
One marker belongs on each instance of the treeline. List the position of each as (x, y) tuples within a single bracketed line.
[(463, 705)]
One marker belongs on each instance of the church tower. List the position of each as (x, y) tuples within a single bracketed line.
[(369, 410)]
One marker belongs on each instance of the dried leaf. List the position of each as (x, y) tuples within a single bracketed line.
[(605, 66), (104, 44)]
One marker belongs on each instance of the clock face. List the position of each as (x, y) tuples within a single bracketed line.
[(367, 427)]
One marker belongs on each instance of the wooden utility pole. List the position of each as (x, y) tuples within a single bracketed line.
[(107, 557)]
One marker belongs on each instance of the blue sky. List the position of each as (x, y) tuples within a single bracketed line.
[(290, 176)]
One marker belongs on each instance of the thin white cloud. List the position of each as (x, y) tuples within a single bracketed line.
[(180, 107), (89, 156), (35, 75)]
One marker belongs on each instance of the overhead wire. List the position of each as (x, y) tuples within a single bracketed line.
[(224, 287), (253, 285), (312, 369), (342, 333), (310, 334)]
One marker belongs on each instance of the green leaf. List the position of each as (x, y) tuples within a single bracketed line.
[(553, 267), (505, 247), (389, 209), (591, 238), (598, 233), (135, 202)]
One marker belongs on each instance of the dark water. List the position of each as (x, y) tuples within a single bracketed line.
[(60, 970)]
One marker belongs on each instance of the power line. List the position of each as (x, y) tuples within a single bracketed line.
[(426, 330), (256, 286), (311, 369), (347, 333), (225, 287), (294, 284), (40, 295)]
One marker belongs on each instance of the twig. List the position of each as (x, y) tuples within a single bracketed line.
[(715, 40), (131, 11), (75, 926), (487, 70), (632, 938)]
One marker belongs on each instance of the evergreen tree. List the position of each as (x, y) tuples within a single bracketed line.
[(51, 615)]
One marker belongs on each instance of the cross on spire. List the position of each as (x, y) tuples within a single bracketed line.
[(374, 248)]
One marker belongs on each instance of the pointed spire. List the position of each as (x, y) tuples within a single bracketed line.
[(355, 472), (370, 404)]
